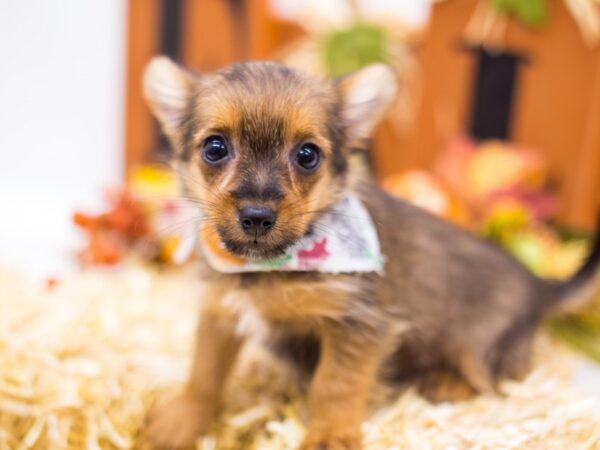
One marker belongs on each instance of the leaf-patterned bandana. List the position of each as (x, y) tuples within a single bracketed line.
[(342, 240)]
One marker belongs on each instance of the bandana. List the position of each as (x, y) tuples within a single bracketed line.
[(342, 240)]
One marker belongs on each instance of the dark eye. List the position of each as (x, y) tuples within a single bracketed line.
[(214, 149), (308, 157)]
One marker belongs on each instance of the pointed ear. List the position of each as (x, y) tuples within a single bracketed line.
[(167, 89), (366, 95)]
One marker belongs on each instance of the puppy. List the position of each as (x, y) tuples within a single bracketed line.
[(265, 152)]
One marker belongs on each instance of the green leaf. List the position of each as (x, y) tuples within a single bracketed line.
[(531, 12), (350, 49)]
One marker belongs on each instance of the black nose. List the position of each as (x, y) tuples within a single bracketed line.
[(257, 220)]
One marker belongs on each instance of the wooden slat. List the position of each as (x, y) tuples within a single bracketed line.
[(207, 41), (143, 42), (583, 204), (213, 38)]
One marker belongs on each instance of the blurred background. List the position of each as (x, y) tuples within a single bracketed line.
[(497, 126)]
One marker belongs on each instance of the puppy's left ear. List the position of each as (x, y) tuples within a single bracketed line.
[(366, 96)]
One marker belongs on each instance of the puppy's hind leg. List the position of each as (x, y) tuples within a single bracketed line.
[(514, 355), (445, 385), (467, 377), (476, 372)]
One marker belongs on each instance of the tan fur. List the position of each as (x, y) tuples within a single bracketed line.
[(450, 311)]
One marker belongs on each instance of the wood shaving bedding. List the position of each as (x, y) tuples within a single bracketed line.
[(81, 363)]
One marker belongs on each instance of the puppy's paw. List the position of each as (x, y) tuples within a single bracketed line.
[(439, 387), (315, 442), (177, 423)]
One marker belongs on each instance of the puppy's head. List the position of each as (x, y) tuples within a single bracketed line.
[(261, 148)]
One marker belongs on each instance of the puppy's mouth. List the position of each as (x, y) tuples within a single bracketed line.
[(257, 248)]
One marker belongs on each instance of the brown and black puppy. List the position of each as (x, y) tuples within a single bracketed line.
[(450, 309)]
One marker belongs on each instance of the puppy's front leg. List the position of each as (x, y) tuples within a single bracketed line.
[(178, 422), (340, 388)]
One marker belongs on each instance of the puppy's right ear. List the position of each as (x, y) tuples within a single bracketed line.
[(167, 89)]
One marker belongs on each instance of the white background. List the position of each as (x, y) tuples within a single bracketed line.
[(61, 114)]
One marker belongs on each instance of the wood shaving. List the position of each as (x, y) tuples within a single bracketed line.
[(81, 363)]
